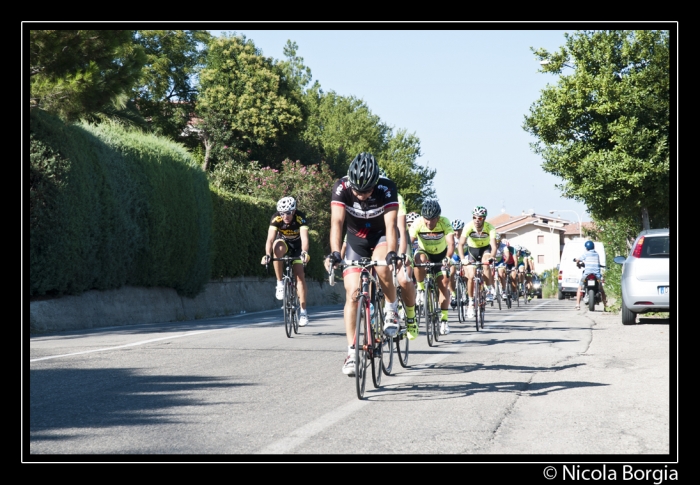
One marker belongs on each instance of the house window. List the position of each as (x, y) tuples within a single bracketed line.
[(540, 259), (540, 239)]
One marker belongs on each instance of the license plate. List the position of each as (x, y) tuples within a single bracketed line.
[(591, 282), (663, 290), (572, 280)]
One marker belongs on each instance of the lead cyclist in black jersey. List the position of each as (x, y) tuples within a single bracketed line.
[(367, 206)]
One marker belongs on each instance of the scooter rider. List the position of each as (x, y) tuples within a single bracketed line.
[(591, 259)]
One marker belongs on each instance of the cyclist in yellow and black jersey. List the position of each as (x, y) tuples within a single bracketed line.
[(436, 245), (479, 238), (289, 235)]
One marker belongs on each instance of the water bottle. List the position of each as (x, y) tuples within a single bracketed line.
[(371, 313)]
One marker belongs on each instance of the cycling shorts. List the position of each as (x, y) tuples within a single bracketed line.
[(292, 248)]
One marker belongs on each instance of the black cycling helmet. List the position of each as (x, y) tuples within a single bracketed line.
[(430, 209), (589, 245), (363, 172)]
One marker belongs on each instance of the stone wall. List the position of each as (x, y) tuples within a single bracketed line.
[(132, 305)]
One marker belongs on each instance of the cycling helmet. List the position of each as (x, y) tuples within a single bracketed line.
[(383, 174), (589, 245), (363, 172), (457, 224), (411, 217), (430, 209), (498, 237), (286, 204), (480, 211)]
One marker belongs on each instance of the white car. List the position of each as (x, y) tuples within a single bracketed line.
[(645, 275)]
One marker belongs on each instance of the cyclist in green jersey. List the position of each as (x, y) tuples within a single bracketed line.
[(436, 245), (479, 238)]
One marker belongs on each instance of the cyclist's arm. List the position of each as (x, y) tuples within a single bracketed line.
[(450, 246), (460, 246), (390, 223), (271, 234), (304, 234), (403, 233), (337, 219)]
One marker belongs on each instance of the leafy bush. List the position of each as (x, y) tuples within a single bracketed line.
[(111, 207)]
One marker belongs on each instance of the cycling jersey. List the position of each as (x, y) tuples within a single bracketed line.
[(364, 220), (291, 231), (432, 241), (477, 239)]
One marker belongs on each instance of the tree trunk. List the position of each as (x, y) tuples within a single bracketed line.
[(207, 151), (645, 219)]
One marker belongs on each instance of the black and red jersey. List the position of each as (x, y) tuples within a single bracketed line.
[(365, 218)]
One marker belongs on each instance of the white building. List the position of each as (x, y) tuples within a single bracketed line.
[(544, 236)]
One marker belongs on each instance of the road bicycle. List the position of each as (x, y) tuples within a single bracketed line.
[(431, 306), (373, 349), (479, 294), (461, 293), (509, 293), (499, 290), (290, 302), (401, 338)]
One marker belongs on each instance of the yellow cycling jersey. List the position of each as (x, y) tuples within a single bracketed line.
[(479, 239), (432, 241)]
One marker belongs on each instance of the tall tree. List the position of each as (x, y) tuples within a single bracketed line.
[(74, 73), (341, 127), (167, 91), (398, 159), (245, 92), (604, 127)]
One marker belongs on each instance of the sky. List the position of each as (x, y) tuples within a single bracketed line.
[(463, 93)]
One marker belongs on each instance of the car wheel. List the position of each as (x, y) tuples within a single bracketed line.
[(628, 316), (560, 295)]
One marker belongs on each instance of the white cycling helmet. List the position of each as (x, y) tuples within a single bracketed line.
[(411, 217), (479, 211), (498, 237), (457, 224), (286, 204)]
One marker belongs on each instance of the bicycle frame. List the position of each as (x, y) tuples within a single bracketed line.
[(368, 341), (431, 303), (291, 305)]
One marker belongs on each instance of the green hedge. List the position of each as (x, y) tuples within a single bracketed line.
[(239, 232), (111, 207)]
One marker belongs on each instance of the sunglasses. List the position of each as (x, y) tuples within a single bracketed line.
[(477, 218), (287, 213)]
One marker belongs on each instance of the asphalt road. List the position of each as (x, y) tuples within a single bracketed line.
[(541, 380)]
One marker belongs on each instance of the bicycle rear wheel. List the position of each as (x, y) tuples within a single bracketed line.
[(387, 349), (287, 309), (361, 347)]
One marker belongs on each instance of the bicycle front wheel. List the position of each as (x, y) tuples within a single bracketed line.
[(463, 297), (287, 309), (428, 307), (436, 317), (401, 338), (387, 348), (498, 295), (296, 309), (477, 304), (361, 347)]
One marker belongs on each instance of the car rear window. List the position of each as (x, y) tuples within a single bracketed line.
[(655, 247)]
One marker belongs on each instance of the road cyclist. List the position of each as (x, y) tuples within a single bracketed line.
[(507, 271), (457, 227), (436, 245), (477, 244), (367, 206), (288, 235)]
